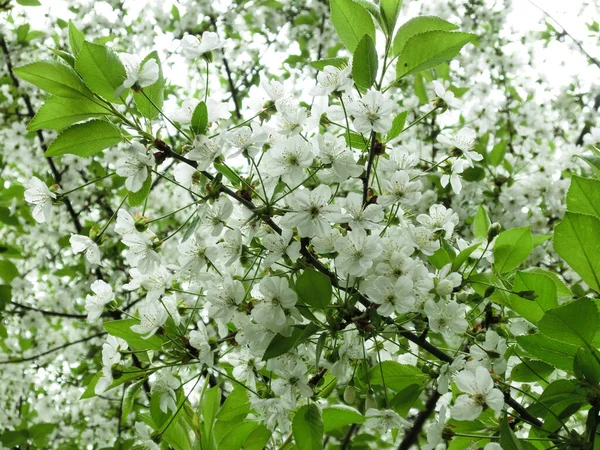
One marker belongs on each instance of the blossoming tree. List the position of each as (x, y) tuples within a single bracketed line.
[(295, 225)]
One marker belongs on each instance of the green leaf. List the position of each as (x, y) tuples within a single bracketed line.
[(543, 286), (426, 50), (397, 376), (129, 399), (29, 2), (481, 224), (508, 439), (561, 288), (314, 288), (122, 329), (575, 322), (583, 197), (593, 161), (280, 344), (511, 248), (416, 26), (577, 241), (406, 399), (364, 63), (60, 112), (351, 22), (151, 100), (420, 89), (335, 62), (76, 38), (307, 428), (210, 406), (200, 119), (496, 156), (5, 295), (55, 78), (530, 371), (236, 405), (339, 416), (101, 69), (397, 126), (8, 271), (551, 351), (463, 256), (389, 10), (237, 436), (85, 139), (139, 197), (586, 365), (39, 433), (257, 440)]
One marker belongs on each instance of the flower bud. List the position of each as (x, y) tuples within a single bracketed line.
[(370, 402), (350, 395), (493, 231)]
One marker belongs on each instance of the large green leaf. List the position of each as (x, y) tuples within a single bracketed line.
[(55, 78), (508, 439), (396, 376), (122, 329), (351, 22), (583, 197), (416, 26), (101, 69), (236, 405), (554, 352), (314, 288), (545, 289), (60, 112), (76, 38), (426, 50), (364, 63), (511, 248), (307, 428), (150, 100), (577, 241), (530, 370), (575, 322), (85, 139), (339, 416)]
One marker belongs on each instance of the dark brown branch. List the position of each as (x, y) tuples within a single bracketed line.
[(411, 436), (49, 313)]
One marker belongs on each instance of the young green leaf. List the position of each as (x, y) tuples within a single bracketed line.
[(530, 371), (137, 198), (55, 78), (364, 63), (577, 241), (397, 126), (481, 224), (335, 62), (200, 119), (307, 428), (418, 25), (280, 344), (389, 10), (150, 101), (76, 38), (426, 50), (351, 22), (508, 440), (60, 112), (85, 139), (101, 69)]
